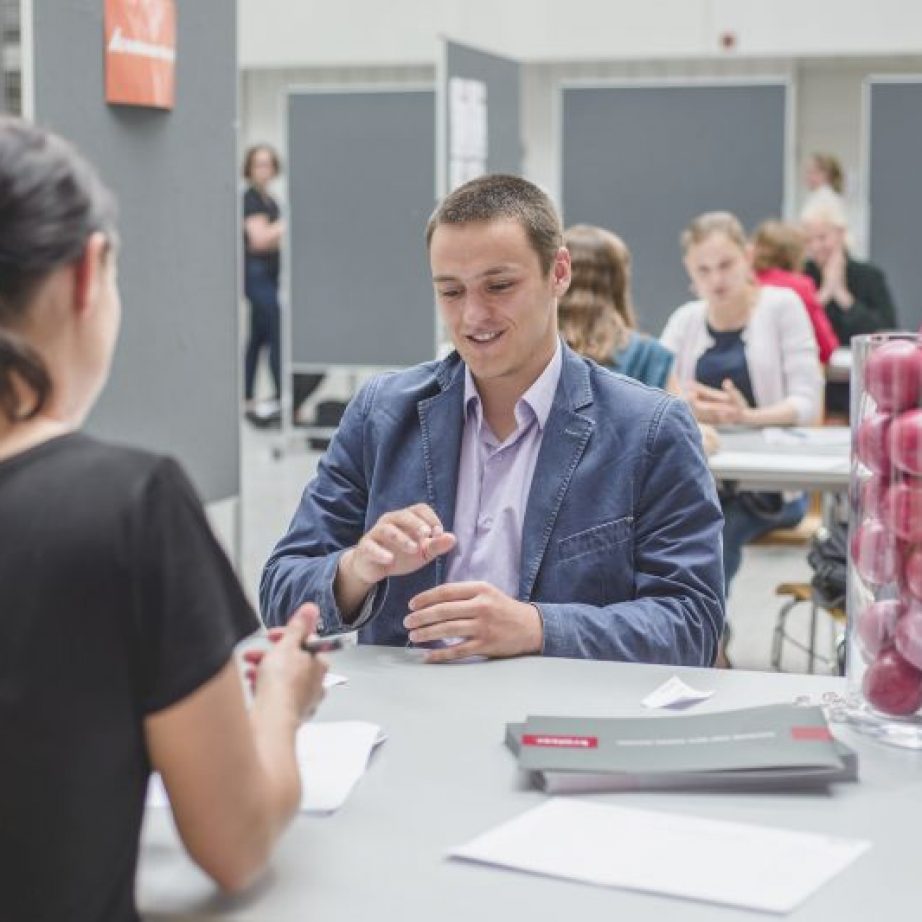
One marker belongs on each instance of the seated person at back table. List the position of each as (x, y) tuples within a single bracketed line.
[(597, 317), (513, 498), (747, 356), (778, 259), (855, 293)]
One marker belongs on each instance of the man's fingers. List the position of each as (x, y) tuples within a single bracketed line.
[(457, 628), (375, 552), (395, 538), (427, 514), (453, 653), (447, 592), (440, 544)]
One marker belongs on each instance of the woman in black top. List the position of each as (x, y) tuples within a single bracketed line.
[(118, 611), (263, 232), (855, 294)]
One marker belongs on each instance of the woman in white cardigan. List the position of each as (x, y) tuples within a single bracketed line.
[(745, 355)]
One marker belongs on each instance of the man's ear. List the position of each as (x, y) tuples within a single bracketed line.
[(562, 271), (89, 270)]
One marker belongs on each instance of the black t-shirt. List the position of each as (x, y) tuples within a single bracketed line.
[(115, 602), (254, 203)]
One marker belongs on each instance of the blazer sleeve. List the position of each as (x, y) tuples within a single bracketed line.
[(677, 612), (800, 368), (329, 519)]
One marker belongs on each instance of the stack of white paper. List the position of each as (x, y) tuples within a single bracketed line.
[(737, 864), (332, 757)]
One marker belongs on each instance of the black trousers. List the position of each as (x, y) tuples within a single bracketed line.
[(265, 332)]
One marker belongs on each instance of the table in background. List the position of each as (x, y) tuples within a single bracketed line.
[(818, 460), (444, 776)]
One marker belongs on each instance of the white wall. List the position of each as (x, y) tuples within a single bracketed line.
[(297, 33)]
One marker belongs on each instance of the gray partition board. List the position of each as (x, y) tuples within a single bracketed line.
[(174, 383), (502, 78), (361, 180), (643, 159), (894, 139)]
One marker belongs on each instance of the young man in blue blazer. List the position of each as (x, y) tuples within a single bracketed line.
[(513, 498)]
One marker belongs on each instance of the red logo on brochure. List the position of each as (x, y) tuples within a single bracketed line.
[(811, 734), (560, 742)]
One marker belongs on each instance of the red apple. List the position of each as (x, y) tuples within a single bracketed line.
[(872, 497), (908, 636), (893, 375), (902, 510), (892, 685), (875, 552), (906, 441), (912, 572), (876, 625), (872, 443)]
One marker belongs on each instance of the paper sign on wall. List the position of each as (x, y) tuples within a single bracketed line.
[(140, 52)]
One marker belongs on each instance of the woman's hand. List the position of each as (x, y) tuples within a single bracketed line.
[(723, 407), (285, 676)]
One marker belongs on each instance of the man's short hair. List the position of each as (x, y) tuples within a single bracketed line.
[(492, 198)]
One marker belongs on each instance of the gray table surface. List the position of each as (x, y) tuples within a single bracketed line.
[(443, 777), (780, 471)]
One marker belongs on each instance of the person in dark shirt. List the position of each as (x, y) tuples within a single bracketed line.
[(263, 231), (119, 613), (855, 294)]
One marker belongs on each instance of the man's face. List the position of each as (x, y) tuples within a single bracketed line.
[(496, 302), (823, 239)]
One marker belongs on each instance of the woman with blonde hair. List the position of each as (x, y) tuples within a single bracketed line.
[(746, 355), (596, 315), (854, 293)]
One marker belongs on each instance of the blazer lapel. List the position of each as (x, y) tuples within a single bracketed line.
[(565, 437), (442, 422)]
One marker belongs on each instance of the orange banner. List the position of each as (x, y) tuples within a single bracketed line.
[(141, 52)]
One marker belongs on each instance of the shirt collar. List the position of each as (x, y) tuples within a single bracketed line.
[(537, 400)]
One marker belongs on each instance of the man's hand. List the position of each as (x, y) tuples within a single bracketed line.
[(398, 543), (488, 621)]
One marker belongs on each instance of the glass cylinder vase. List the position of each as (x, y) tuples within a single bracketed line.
[(884, 665)]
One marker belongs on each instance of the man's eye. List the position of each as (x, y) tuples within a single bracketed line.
[(499, 286), (449, 293)]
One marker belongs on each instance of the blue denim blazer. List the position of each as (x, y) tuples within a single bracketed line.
[(621, 546)]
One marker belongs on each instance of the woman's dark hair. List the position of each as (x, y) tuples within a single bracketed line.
[(253, 151), (51, 201)]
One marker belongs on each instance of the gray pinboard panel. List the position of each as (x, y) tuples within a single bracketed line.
[(895, 193), (361, 181), (503, 81), (174, 384), (643, 160)]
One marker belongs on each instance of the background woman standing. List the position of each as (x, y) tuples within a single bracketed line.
[(263, 232)]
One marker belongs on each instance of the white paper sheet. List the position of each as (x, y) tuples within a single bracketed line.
[(674, 693), (817, 437), (332, 757), (736, 864)]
